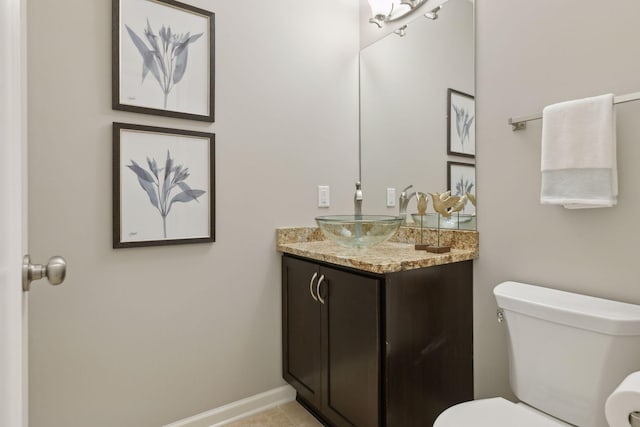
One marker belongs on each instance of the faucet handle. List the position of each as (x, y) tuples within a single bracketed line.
[(404, 192), (358, 195)]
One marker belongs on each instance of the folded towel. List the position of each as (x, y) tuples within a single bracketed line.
[(579, 167)]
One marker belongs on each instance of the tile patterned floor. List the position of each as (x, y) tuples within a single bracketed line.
[(288, 415)]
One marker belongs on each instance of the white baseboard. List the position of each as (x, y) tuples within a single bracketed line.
[(237, 410)]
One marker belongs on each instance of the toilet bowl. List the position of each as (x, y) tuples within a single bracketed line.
[(567, 353), (496, 412)]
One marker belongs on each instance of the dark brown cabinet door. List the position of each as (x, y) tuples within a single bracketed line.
[(331, 341), (351, 348), (429, 337), (301, 329)]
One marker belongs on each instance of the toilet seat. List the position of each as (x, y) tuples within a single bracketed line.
[(496, 412)]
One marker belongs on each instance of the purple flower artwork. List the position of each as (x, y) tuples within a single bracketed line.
[(165, 56), (165, 186)]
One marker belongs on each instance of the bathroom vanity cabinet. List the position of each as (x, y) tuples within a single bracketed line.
[(365, 349)]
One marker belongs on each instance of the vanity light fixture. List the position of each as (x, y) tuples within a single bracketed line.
[(413, 3), (433, 14), (390, 10), (402, 31)]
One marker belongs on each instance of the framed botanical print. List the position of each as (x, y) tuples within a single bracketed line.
[(461, 126), (163, 186), (461, 179), (163, 59)]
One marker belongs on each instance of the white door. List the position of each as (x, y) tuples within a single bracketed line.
[(13, 222), (13, 217)]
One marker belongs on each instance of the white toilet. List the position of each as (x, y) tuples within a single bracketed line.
[(567, 353)]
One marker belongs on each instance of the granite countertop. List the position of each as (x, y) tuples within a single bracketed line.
[(397, 254)]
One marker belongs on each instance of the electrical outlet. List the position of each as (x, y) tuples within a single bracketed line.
[(323, 196), (391, 197)]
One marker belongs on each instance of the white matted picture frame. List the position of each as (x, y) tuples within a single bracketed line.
[(163, 186), (461, 124), (461, 179), (163, 57)]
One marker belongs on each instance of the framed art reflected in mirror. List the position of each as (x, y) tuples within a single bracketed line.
[(461, 179), (461, 115)]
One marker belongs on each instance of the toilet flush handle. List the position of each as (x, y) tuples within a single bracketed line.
[(500, 314)]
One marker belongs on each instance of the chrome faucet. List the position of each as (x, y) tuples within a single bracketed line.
[(357, 199), (404, 202)]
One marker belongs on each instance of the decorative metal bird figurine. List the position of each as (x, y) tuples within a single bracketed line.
[(460, 205), (422, 203), (471, 198), (442, 202), (422, 209)]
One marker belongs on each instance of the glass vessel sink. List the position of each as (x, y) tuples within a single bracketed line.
[(358, 231)]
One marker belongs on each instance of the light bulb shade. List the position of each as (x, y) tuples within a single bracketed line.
[(389, 10), (380, 7)]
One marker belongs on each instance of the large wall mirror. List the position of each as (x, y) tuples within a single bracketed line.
[(409, 86)]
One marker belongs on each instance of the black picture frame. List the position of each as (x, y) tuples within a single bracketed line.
[(467, 173), (133, 94), (182, 202), (461, 124)]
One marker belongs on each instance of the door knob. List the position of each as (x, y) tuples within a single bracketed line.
[(54, 271)]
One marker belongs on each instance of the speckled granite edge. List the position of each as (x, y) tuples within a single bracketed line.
[(398, 254), (298, 235)]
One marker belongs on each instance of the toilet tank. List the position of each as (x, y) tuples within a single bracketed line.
[(568, 352)]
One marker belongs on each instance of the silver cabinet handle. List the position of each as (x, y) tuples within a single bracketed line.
[(54, 271), (311, 285), (318, 288)]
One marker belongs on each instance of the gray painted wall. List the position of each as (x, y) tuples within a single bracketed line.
[(143, 337), (531, 54)]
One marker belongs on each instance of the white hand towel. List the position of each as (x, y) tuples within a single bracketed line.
[(579, 167)]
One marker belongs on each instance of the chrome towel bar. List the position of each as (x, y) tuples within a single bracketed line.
[(520, 123)]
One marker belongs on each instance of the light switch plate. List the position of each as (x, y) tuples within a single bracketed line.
[(324, 200), (391, 197)]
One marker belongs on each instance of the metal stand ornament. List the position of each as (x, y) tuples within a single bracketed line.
[(471, 198), (422, 209), (459, 207), (444, 204)]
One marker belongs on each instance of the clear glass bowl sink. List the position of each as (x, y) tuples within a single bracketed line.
[(358, 231)]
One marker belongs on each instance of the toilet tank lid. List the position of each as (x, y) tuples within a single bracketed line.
[(580, 311)]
